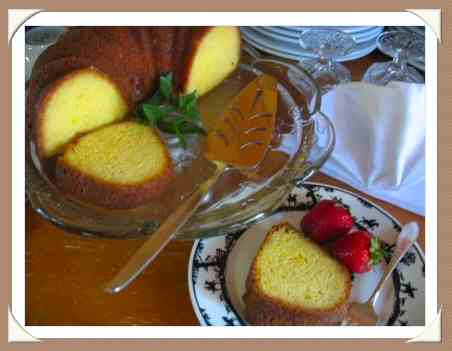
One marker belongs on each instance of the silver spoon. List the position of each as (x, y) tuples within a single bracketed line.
[(364, 313)]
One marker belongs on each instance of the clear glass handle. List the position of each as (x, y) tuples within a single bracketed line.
[(319, 146), (36, 41)]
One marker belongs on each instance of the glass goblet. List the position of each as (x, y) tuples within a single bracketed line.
[(328, 45), (403, 47)]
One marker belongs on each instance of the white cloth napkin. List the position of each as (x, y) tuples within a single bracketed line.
[(380, 141)]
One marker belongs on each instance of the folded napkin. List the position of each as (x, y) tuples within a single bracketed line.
[(380, 141)]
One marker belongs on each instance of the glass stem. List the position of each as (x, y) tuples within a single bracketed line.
[(330, 65), (326, 62), (400, 59)]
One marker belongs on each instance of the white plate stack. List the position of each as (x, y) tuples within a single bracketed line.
[(283, 41)]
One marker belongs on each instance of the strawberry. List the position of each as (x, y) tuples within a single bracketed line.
[(326, 221), (359, 251)]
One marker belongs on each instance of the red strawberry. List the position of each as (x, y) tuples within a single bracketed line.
[(358, 251), (326, 221)]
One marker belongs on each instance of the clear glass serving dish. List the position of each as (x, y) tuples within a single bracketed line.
[(303, 140)]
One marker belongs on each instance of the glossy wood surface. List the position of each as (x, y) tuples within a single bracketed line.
[(65, 273)]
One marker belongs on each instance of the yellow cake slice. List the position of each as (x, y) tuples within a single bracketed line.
[(217, 54), (122, 165), (81, 101), (294, 281)]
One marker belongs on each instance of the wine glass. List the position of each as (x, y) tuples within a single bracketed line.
[(328, 45), (403, 47)]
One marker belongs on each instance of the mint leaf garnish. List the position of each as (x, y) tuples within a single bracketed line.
[(170, 112), (166, 85)]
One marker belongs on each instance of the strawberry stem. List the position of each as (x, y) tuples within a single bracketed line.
[(377, 252)]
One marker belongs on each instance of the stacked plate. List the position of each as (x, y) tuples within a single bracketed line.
[(283, 41)]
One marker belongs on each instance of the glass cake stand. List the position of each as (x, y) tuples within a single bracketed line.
[(303, 140)]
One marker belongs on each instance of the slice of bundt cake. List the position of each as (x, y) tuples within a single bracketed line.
[(93, 76), (81, 101), (122, 165), (293, 281)]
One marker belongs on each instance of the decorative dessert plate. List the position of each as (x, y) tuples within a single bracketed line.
[(218, 266)]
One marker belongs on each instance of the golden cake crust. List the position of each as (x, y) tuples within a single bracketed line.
[(266, 310), (88, 188)]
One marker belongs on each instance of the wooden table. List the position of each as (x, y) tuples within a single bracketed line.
[(65, 272)]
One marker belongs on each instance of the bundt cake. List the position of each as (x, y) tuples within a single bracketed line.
[(122, 165), (94, 76), (293, 281)]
